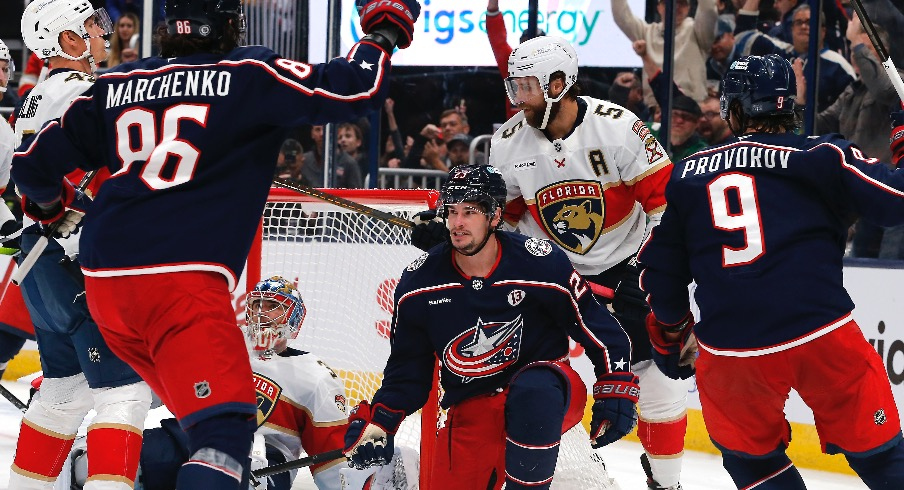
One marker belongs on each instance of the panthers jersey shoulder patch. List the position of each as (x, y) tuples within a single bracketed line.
[(418, 262), (538, 246)]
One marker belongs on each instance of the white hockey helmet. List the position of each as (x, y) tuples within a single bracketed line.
[(10, 67), (44, 20), (541, 57), (274, 312)]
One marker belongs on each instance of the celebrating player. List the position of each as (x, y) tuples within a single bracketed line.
[(588, 175), (760, 225), (496, 308), (191, 139), (81, 372)]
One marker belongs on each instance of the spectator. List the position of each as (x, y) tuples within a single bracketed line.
[(289, 162), (428, 148), (118, 8), (693, 39), (350, 139), (453, 122), (394, 150), (712, 128), (459, 149), (124, 44), (835, 73), (627, 91), (345, 168), (719, 57)]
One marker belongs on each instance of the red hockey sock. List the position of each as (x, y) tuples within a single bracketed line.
[(41, 453), (662, 439), (113, 452)]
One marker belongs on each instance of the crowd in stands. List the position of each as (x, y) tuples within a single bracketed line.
[(854, 95)]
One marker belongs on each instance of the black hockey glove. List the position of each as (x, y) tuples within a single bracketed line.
[(8, 229), (614, 412), (673, 350), (389, 18), (628, 292), (428, 233), (370, 433), (896, 141)]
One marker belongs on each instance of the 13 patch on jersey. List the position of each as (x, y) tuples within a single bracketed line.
[(573, 213)]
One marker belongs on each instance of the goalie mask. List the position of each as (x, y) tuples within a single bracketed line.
[(44, 20), (274, 312)]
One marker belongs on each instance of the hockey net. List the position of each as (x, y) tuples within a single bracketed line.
[(346, 266)]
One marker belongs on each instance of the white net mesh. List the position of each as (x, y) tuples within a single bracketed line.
[(346, 266)]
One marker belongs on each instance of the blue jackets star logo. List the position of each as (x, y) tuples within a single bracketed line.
[(484, 350)]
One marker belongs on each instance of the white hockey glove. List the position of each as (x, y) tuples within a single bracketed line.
[(400, 474), (370, 433)]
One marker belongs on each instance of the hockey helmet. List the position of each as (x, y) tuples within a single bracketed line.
[(44, 20), (764, 85), (10, 67), (541, 57), (274, 311), (482, 184), (203, 18)]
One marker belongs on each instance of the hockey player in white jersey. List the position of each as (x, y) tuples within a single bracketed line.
[(80, 371), (7, 141), (588, 174)]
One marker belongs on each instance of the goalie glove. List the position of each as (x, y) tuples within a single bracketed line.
[(428, 232), (674, 351), (614, 413), (370, 433), (391, 20)]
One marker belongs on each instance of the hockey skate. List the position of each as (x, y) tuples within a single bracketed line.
[(651, 483)]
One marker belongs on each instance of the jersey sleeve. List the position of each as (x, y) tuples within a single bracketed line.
[(644, 167), (665, 274), (343, 89), (71, 142), (587, 322), (408, 376)]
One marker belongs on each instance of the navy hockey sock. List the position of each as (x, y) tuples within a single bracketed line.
[(881, 471), (219, 449), (534, 412), (775, 472)]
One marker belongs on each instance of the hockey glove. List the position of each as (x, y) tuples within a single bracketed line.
[(64, 215), (669, 343), (614, 413), (896, 142), (397, 15), (428, 233), (10, 226), (370, 433), (628, 292)]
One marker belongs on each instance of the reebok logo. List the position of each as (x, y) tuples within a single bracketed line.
[(439, 301)]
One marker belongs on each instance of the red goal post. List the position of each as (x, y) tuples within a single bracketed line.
[(346, 266)]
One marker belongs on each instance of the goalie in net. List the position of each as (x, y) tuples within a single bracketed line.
[(496, 308)]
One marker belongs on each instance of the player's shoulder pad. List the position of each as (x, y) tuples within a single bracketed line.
[(254, 52), (513, 126), (531, 247), (610, 111)]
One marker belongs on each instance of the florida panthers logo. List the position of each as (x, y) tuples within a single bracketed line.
[(484, 350), (267, 392), (572, 213)]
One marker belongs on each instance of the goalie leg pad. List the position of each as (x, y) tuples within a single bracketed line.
[(219, 448), (536, 406), (771, 472), (114, 436), (883, 470)]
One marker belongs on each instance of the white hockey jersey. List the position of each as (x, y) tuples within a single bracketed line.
[(7, 147), (591, 192), (301, 405)]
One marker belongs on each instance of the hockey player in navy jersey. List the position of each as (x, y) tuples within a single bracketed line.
[(760, 225), (496, 308), (191, 138)]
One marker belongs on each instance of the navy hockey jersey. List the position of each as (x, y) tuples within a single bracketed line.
[(483, 329), (761, 225), (192, 144)]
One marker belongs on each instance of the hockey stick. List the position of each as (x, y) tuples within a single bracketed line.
[(293, 465), (42, 242), (12, 398), (889, 65), (344, 203)]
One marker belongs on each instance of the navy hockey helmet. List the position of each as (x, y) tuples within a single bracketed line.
[(278, 318), (203, 18), (482, 184), (764, 85)]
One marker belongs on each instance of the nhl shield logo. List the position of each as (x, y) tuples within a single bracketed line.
[(267, 393), (202, 389), (572, 213)]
